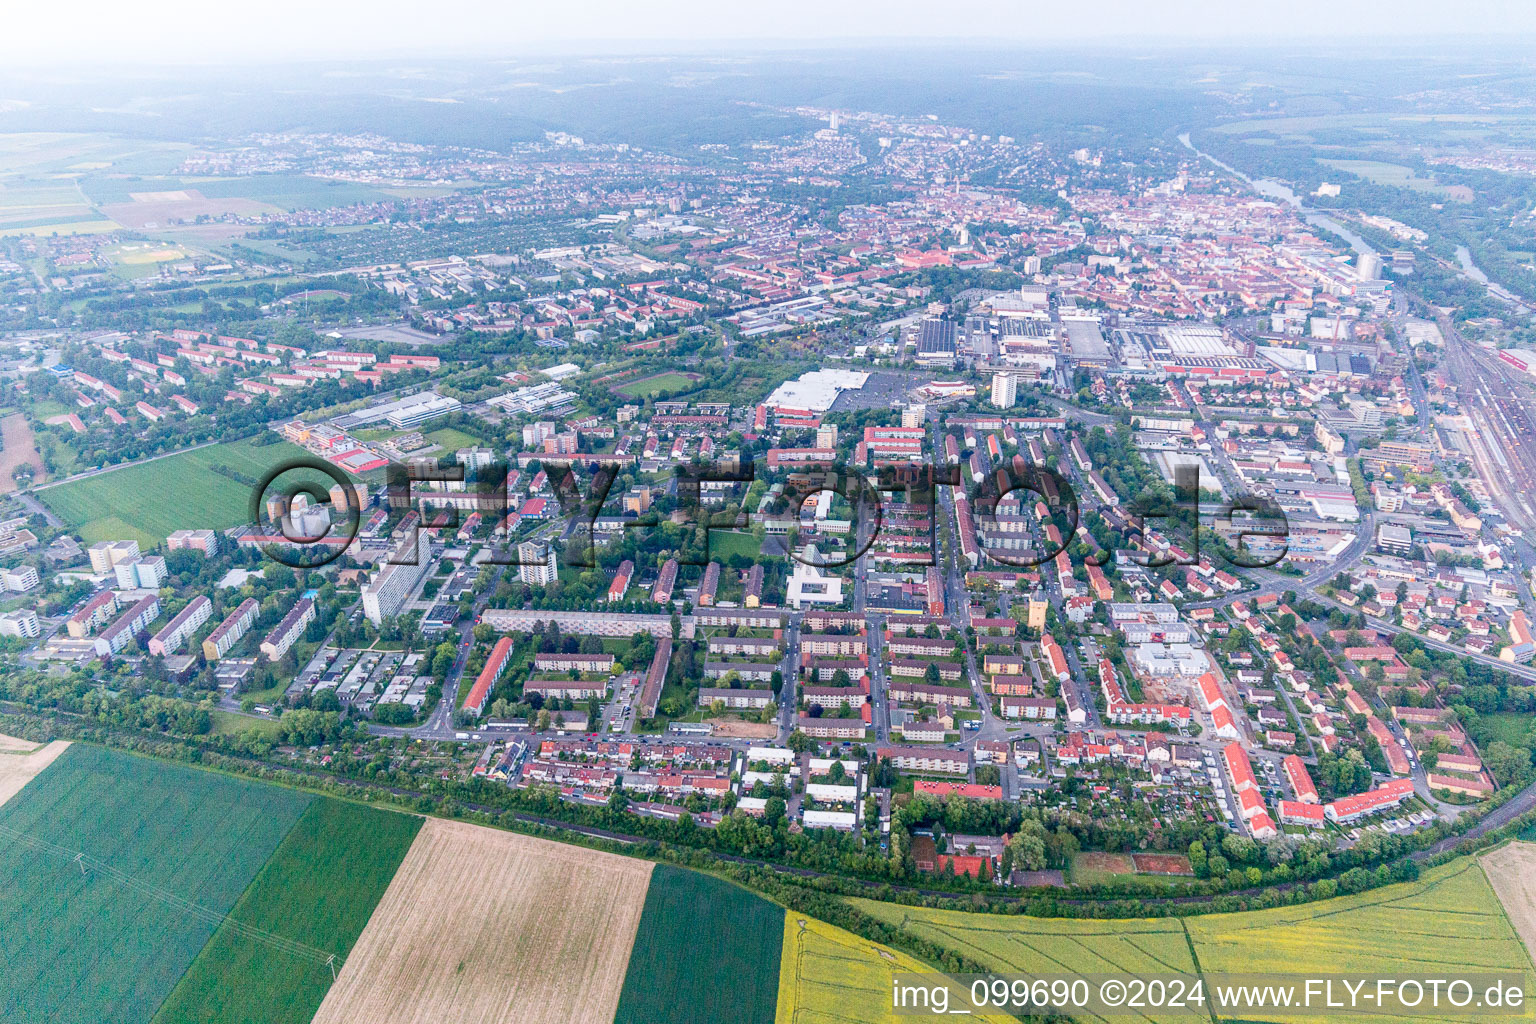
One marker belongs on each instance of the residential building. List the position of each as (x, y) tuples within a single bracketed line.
[(928, 759), (573, 662), (95, 612), (287, 632), (107, 553), (1005, 390), (23, 623), (181, 627), (228, 633), (128, 625), (492, 670), (206, 541), (20, 579), (567, 689), (537, 564), (396, 580), (147, 573)]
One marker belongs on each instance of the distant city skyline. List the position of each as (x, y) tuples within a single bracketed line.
[(177, 32)]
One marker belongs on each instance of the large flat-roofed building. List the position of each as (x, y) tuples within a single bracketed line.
[(1085, 342), (418, 409), (537, 564), (107, 553), (395, 582), (206, 541), (182, 625), (936, 340), (23, 623), (228, 633), (1393, 539)]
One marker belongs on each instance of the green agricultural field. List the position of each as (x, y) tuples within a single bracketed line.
[(288, 191), (318, 890), (168, 852), (706, 951), (1051, 946), (1448, 920), (147, 501), (646, 387), (1383, 173), (832, 976)]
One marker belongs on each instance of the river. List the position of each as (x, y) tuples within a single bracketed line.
[(1472, 270), (1272, 189)]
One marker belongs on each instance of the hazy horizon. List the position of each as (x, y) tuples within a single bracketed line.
[(177, 32)]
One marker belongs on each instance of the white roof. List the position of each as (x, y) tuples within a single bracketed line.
[(816, 390)]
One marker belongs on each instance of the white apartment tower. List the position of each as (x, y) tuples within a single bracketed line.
[(1005, 390)]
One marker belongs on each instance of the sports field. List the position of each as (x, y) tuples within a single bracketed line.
[(832, 976), (453, 439), (316, 895), (114, 873), (707, 951), (481, 926), (147, 501), (657, 384)]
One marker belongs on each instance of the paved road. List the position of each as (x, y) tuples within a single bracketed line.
[(36, 507), (122, 465)]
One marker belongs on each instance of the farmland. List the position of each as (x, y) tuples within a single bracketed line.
[(1448, 919), (541, 935), (145, 502), (19, 448), (318, 891), (706, 951), (1050, 945), (167, 852), (831, 976), (1383, 173), (1511, 870), (21, 762)]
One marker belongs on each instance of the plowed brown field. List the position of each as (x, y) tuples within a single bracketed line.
[(1512, 871), (481, 927), (18, 769)]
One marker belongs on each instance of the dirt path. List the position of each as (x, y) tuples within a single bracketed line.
[(20, 449), (12, 745)]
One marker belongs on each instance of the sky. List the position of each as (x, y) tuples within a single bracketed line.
[(93, 32)]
